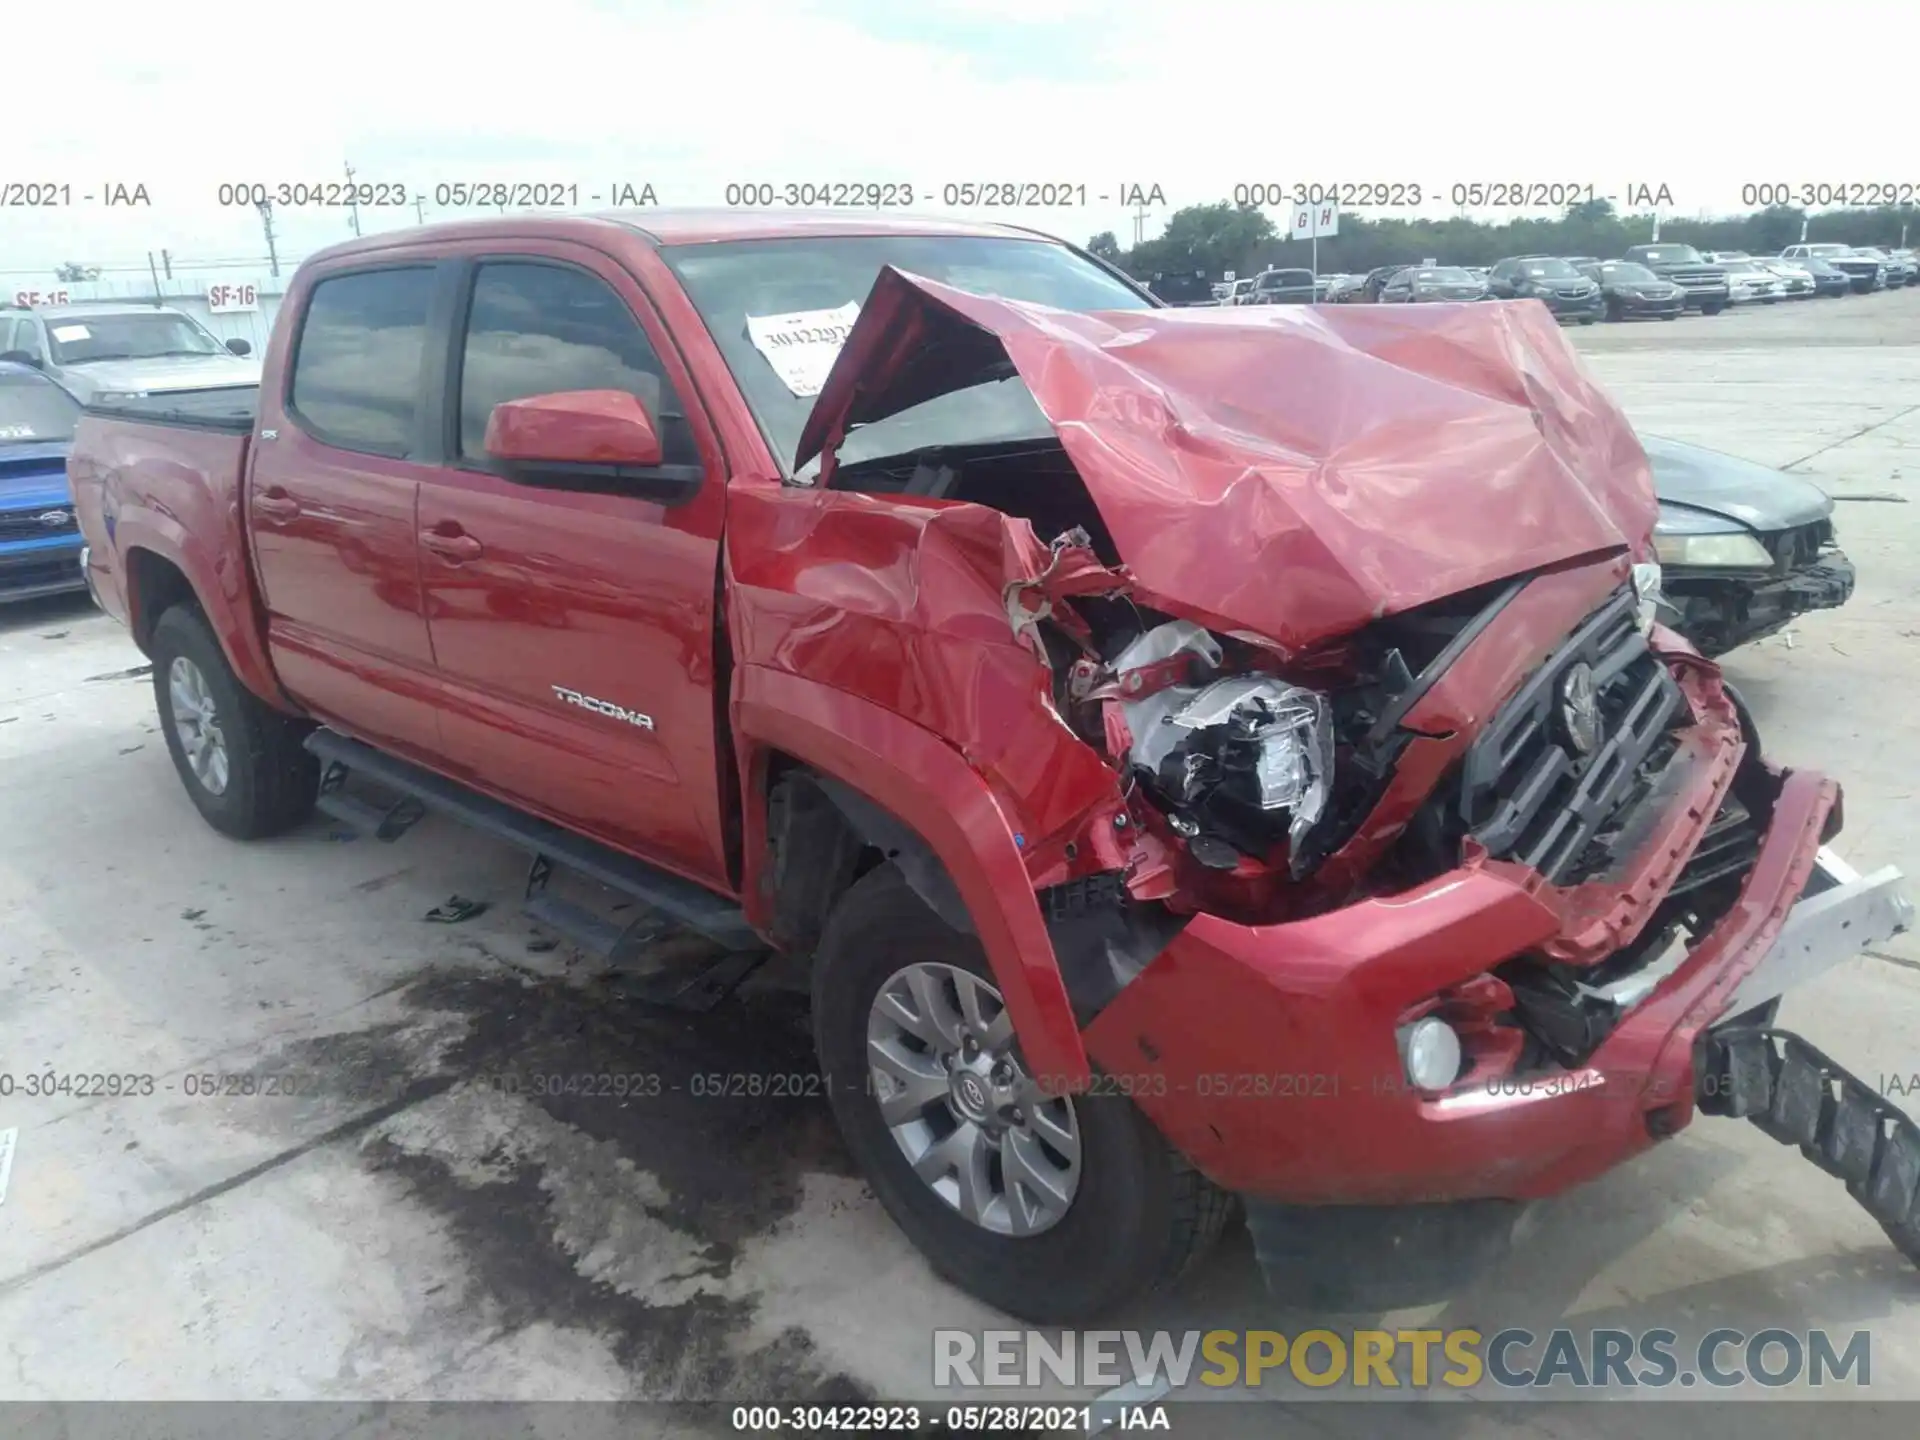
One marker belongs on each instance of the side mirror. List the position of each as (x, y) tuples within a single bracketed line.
[(600, 440), (20, 357), (240, 347)]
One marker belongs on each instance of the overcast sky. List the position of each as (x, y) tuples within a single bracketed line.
[(1193, 97)]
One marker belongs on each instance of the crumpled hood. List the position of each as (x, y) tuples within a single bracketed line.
[(1284, 471), (1757, 496)]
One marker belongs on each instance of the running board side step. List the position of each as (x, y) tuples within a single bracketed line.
[(681, 902), (1800, 1097)]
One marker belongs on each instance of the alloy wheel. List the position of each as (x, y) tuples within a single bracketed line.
[(196, 720), (976, 1128)]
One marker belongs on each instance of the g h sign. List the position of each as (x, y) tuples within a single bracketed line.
[(1314, 222)]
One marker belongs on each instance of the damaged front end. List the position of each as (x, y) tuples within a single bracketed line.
[(1245, 568), (1340, 748)]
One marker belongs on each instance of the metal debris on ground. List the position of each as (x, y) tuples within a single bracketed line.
[(457, 908), (7, 1139), (540, 944), (1884, 497), (134, 673)]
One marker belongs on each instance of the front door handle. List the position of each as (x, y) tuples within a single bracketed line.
[(276, 505), (455, 546)]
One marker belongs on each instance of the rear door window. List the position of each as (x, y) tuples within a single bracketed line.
[(357, 370)]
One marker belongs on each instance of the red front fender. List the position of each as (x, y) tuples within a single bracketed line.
[(923, 782)]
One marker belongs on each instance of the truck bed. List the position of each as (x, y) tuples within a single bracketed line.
[(164, 475), (232, 409)]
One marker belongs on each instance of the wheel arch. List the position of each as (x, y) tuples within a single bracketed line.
[(829, 776), (160, 575)]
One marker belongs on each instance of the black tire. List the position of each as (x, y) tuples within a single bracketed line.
[(1141, 1215), (1711, 309), (1586, 319), (271, 778), (1614, 312), (1674, 316)]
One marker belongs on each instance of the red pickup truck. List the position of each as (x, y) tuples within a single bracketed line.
[(1206, 757)]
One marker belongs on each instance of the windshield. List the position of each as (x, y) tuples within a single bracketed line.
[(1283, 279), (1548, 270), (136, 335), (1626, 270), (1670, 255), (760, 280), (1738, 267), (1445, 276), (33, 410)]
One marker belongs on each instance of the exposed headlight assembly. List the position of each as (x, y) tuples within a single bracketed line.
[(1695, 538), (1242, 761)]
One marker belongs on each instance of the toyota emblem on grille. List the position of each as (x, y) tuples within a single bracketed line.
[(1580, 709), (54, 519)]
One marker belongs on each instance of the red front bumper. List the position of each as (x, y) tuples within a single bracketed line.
[(1267, 1053)]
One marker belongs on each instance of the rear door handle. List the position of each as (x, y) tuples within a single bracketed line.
[(276, 505), (455, 547)]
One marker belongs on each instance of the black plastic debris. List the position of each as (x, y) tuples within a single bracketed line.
[(457, 908)]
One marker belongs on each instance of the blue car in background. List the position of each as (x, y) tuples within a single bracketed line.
[(39, 534)]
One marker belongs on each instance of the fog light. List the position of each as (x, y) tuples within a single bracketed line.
[(1430, 1051)]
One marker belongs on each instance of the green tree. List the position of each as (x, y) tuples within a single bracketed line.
[(73, 272), (1208, 238), (1105, 246)]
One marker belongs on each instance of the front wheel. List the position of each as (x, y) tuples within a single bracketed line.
[(1712, 309), (243, 763), (1054, 1208)]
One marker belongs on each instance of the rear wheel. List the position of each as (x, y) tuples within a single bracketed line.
[(1614, 311), (242, 762), (1055, 1208)]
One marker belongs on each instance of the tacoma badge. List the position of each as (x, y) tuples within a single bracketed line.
[(604, 707)]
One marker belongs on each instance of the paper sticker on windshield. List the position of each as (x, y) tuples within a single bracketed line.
[(64, 333), (801, 347)]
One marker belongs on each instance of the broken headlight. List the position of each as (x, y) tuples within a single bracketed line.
[(1241, 762)]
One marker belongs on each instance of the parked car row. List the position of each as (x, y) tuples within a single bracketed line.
[(1660, 281)]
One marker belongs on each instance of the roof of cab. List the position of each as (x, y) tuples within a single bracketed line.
[(687, 227)]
